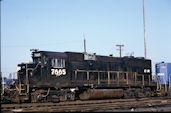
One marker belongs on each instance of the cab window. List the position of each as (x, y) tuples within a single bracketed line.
[(58, 63), (36, 60)]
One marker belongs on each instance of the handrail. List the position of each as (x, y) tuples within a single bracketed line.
[(109, 72), (99, 71), (35, 67)]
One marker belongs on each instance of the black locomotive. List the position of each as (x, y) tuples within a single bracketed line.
[(61, 76)]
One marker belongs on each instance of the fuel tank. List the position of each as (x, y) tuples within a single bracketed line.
[(101, 94)]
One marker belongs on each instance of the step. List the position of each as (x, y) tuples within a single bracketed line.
[(24, 94)]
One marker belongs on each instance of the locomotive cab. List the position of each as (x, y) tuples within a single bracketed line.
[(48, 67)]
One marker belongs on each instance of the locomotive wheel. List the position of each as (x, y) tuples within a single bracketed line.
[(67, 97), (70, 96), (55, 99), (147, 92), (139, 93), (129, 93), (126, 95), (35, 96)]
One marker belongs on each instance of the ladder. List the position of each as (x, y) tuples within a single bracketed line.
[(24, 87), (24, 91)]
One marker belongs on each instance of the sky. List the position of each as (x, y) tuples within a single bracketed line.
[(59, 25)]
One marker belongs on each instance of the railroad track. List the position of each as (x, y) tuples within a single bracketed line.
[(91, 105)]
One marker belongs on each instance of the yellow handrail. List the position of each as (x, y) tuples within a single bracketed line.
[(109, 79)]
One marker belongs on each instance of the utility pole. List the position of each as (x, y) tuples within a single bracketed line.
[(84, 43), (0, 53), (120, 49), (2, 85), (145, 49)]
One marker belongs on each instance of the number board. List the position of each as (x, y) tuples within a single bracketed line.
[(58, 72)]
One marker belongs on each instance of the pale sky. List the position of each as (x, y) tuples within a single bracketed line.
[(58, 25)]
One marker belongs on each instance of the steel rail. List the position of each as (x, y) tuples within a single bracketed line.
[(86, 105)]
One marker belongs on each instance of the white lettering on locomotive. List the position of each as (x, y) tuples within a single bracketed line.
[(58, 72)]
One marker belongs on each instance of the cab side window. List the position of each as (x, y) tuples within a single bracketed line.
[(58, 63)]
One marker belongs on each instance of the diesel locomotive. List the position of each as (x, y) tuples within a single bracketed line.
[(63, 76)]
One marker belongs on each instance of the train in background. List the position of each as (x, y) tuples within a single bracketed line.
[(163, 77), (63, 76)]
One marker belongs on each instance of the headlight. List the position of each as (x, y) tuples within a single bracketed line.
[(18, 68)]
